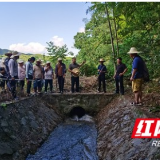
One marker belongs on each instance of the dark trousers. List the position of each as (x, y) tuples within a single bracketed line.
[(50, 82), (13, 87), (73, 81), (61, 83), (2, 82), (119, 84), (21, 84), (29, 84), (101, 78)]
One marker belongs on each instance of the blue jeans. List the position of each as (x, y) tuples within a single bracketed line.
[(37, 84)]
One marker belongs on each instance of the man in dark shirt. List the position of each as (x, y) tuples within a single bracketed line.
[(8, 54), (121, 69), (60, 72), (101, 75), (74, 76), (137, 75)]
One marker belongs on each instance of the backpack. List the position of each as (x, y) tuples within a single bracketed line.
[(145, 71)]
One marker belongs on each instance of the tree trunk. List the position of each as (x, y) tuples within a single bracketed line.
[(115, 27), (111, 35)]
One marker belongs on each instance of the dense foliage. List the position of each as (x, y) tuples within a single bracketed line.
[(126, 24)]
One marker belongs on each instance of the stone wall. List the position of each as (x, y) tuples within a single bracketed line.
[(115, 124), (24, 126), (92, 103)]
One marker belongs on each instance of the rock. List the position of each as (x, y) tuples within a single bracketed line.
[(23, 121), (34, 125), (126, 117), (5, 149), (4, 123)]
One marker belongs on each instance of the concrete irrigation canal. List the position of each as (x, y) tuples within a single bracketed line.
[(72, 127)]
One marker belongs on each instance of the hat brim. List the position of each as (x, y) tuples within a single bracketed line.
[(6, 54), (101, 61), (134, 52), (16, 55)]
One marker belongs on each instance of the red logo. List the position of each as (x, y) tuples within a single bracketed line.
[(146, 128)]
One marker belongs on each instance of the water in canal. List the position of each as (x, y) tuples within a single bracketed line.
[(72, 140)]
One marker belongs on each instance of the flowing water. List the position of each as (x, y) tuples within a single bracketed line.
[(73, 140)]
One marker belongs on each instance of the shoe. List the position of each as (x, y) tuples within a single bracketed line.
[(98, 91), (104, 91), (28, 95), (139, 104), (16, 99), (61, 92), (45, 92), (133, 104)]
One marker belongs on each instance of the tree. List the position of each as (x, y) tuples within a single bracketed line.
[(55, 51)]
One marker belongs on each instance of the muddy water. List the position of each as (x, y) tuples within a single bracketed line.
[(72, 140)]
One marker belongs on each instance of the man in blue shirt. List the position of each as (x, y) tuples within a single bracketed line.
[(29, 74), (137, 75), (101, 75)]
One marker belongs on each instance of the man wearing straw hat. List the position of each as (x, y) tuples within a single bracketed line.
[(8, 54), (137, 75), (101, 75), (37, 76), (13, 72), (48, 76), (21, 73), (60, 72)]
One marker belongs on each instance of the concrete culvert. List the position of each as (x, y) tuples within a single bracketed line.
[(77, 111)]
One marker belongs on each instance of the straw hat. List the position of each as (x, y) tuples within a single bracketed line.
[(15, 54), (133, 50), (38, 60), (59, 59), (8, 53), (48, 62), (20, 61), (101, 60)]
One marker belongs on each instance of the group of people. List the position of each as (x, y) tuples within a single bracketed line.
[(137, 76), (13, 70)]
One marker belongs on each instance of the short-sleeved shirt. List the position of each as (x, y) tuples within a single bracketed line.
[(102, 68), (73, 65), (48, 74), (37, 71), (138, 64), (120, 68)]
